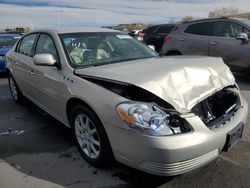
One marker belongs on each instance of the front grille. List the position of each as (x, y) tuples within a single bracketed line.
[(218, 109)]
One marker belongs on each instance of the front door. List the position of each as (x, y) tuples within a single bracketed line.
[(51, 90)]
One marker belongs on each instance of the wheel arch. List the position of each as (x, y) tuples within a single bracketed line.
[(72, 102)]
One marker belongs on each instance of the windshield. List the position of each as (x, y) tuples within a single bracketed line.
[(94, 49), (8, 41)]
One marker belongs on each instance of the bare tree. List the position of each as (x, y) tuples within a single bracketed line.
[(224, 11), (28, 29), (187, 18)]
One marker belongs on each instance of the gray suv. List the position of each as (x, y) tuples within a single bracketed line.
[(218, 37)]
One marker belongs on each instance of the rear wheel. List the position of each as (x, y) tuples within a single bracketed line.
[(15, 91), (90, 137)]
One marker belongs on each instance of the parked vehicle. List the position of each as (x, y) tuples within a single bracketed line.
[(218, 37), (136, 34), (6, 42), (156, 34), (164, 116)]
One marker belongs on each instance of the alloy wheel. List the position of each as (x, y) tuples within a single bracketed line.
[(87, 136)]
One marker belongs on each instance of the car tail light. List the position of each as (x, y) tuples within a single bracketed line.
[(141, 34), (167, 38)]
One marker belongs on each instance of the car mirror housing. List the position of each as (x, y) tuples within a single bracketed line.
[(44, 60), (243, 37)]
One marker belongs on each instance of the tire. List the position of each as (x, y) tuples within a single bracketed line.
[(15, 91), (91, 138)]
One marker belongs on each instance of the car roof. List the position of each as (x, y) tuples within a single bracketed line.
[(214, 19), (80, 30), (161, 25), (9, 35)]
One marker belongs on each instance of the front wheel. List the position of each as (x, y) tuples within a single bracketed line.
[(90, 136), (15, 91)]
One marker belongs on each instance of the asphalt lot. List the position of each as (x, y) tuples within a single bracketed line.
[(40, 146)]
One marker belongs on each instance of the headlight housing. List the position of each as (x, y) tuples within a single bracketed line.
[(2, 58), (151, 120)]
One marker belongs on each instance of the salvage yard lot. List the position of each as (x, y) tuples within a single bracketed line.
[(45, 150)]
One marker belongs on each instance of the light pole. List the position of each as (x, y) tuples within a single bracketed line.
[(58, 12), (31, 23)]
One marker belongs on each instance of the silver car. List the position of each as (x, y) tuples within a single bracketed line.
[(217, 37), (164, 116)]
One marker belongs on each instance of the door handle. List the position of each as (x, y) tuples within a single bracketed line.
[(32, 72), (214, 43)]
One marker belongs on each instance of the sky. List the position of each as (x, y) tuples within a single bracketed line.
[(96, 13)]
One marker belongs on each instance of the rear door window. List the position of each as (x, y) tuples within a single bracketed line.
[(26, 46), (199, 29)]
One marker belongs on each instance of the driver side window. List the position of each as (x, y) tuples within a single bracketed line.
[(45, 45), (246, 31)]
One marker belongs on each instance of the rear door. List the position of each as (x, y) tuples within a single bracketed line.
[(194, 39), (22, 63), (223, 43)]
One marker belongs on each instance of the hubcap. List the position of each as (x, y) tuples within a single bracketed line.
[(87, 136), (13, 88)]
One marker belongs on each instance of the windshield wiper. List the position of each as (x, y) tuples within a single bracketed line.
[(113, 62)]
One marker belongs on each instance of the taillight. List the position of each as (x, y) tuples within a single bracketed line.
[(167, 38), (141, 34)]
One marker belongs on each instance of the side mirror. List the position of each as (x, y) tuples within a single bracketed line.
[(44, 60), (152, 47), (243, 37)]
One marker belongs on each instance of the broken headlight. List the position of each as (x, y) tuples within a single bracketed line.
[(151, 120)]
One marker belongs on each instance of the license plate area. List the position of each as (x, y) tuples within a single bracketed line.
[(234, 136)]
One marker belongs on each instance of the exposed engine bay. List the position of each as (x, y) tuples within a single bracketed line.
[(217, 110)]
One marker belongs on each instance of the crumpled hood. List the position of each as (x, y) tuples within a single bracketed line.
[(181, 81)]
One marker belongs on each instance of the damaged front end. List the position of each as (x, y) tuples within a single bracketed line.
[(144, 112), (218, 109)]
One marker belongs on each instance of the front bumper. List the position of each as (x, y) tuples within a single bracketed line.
[(178, 154)]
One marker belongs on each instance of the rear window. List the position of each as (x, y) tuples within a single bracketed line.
[(151, 29), (165, 29), (199, 29)]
